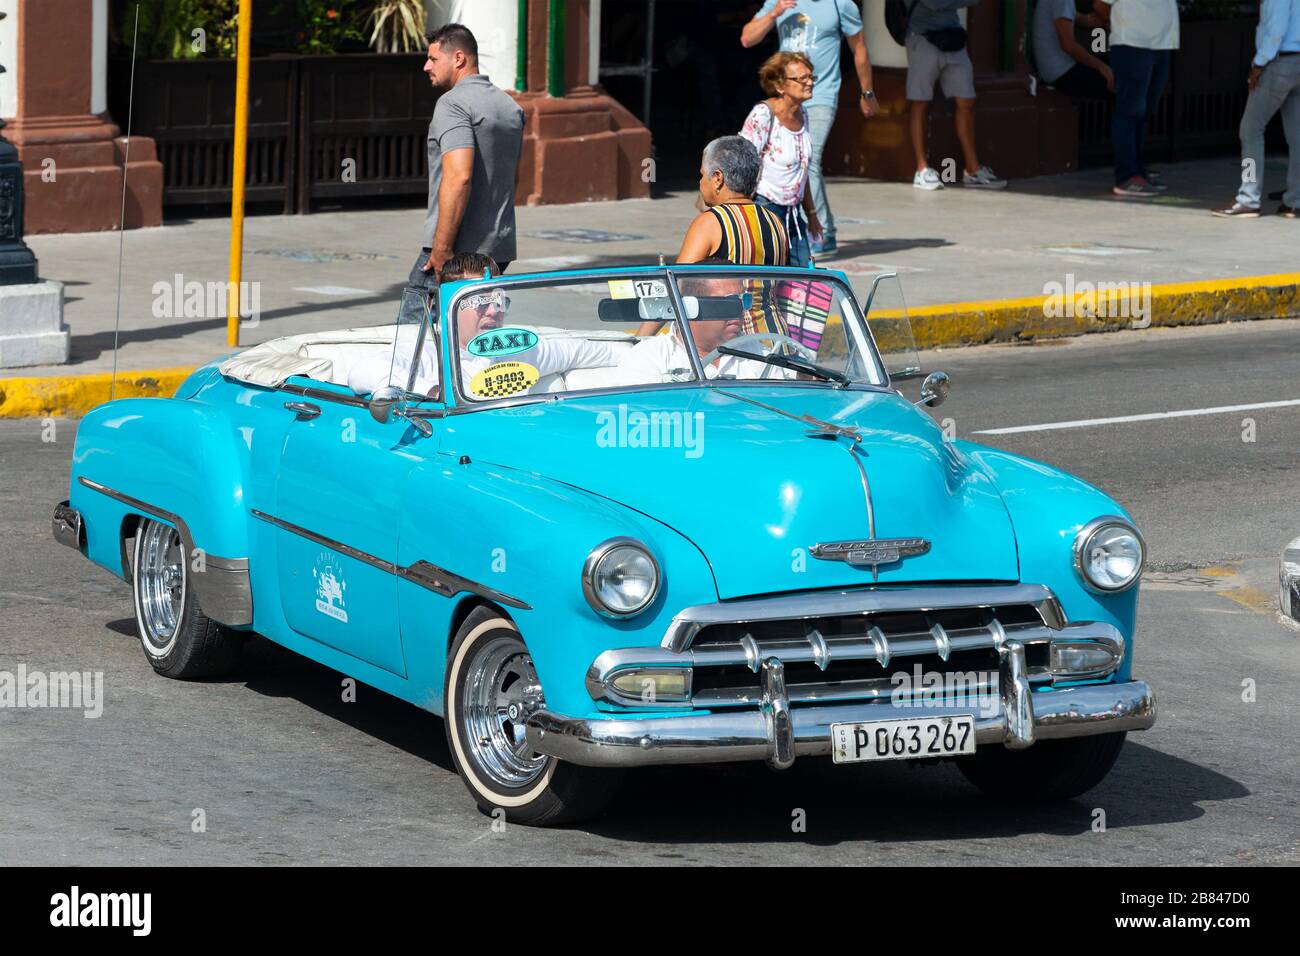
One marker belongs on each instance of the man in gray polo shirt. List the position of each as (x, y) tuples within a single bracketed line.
[(475, 138)]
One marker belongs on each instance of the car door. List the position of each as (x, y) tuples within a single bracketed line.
[(339, 503)]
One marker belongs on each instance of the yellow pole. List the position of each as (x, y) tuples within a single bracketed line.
[(237, 179)]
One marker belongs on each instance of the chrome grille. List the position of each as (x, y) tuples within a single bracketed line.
[(849, 657)]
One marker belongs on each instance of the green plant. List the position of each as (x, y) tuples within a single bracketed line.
[(179, 29), (397, 26), (327, 25)]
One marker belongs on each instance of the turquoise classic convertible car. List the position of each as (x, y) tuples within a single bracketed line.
[(609, 518)]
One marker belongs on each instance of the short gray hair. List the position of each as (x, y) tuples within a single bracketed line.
[(737, 159)]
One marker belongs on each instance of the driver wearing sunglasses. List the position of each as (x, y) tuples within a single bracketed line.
[(478, 312)]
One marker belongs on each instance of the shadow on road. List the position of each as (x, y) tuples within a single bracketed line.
[(893, 803), (742, 803)]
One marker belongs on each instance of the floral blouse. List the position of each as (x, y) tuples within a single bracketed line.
[(784, 152)]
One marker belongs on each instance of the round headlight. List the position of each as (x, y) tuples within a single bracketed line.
[(1109, 554), (620, 578)]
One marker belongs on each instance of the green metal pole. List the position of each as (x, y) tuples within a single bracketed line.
[(555, 49), (1010, 20), (521, 51)]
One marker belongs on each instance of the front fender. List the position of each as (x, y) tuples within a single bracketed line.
[(528, 537), (1048, 506)]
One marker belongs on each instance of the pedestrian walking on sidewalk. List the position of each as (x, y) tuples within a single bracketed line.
[(1274, 82), (816, 28), (936, 54), (778, 128), (475, 138), (1143, 37)]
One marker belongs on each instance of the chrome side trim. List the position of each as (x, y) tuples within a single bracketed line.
[(813, 604), (325, 395), (222, 585), (448, 583), (744, 735), (423, 573), (66, 526)]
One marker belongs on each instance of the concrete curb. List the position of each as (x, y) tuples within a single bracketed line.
[(1106, 307), (1072, 310), (71, 396)]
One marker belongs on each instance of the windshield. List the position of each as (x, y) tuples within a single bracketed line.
[(561, 336)]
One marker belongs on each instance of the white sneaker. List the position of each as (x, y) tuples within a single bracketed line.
[(927, 179), (983, 178)]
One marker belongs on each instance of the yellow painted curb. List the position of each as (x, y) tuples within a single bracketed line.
[(61, 396), (1080, 308)]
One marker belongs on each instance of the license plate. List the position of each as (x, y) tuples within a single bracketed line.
[(903, 739)]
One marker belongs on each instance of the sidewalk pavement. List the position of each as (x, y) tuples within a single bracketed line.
[(975, 267)]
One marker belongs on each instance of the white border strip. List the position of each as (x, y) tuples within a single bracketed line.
[(1149, 417)]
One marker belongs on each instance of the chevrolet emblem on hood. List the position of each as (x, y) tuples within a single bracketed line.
[(871, 552)]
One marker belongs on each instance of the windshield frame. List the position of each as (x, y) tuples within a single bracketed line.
[(457, 402)]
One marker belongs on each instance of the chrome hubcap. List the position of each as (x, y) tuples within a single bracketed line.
[(500, 691), (160, 583)]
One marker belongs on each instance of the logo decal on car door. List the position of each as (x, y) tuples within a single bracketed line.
[(329, 588)]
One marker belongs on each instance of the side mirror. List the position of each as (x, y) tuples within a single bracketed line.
[(383, 401), (935, 389)]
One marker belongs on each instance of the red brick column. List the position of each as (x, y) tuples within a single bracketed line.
[(582, 146), (73, 158)]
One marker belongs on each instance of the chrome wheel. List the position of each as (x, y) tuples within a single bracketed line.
[(160, 586), (500, 691)]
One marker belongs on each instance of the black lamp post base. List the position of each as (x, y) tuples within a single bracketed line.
[(17, 264)]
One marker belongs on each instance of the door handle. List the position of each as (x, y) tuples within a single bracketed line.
[(305, 410)]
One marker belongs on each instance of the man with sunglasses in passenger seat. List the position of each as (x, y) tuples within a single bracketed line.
[(477, 312)]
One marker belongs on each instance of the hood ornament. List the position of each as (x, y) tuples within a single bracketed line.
[(871, 552)]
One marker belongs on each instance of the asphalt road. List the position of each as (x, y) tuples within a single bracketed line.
[(285, 772)]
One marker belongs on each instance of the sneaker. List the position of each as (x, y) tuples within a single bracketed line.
[(983, 178), (825, 248), (1288, 212), (1136, 188), (1157, 181), (927, 179), (1237, 211)]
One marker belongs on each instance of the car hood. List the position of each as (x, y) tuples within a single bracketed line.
[(754, 483)]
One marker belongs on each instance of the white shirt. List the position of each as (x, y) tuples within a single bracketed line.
[(548, 356), (1149, 24), (663, 358)]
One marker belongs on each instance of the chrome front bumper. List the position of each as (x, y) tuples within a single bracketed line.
[(777, 733)]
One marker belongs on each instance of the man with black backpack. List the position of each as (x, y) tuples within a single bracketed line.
[(935, 40)]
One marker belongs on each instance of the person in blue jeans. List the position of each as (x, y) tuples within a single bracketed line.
[(1143, 36), (816, 28), (1274, 84)]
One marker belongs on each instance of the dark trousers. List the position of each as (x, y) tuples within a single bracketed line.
[(1140, 78), (1082, 83), (420, 279)]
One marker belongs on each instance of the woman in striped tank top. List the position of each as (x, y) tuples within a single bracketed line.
[(733, 227)]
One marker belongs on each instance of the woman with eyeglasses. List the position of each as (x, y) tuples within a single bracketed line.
[(778, 128)]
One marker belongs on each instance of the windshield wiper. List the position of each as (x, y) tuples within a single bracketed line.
[(794, 364)]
